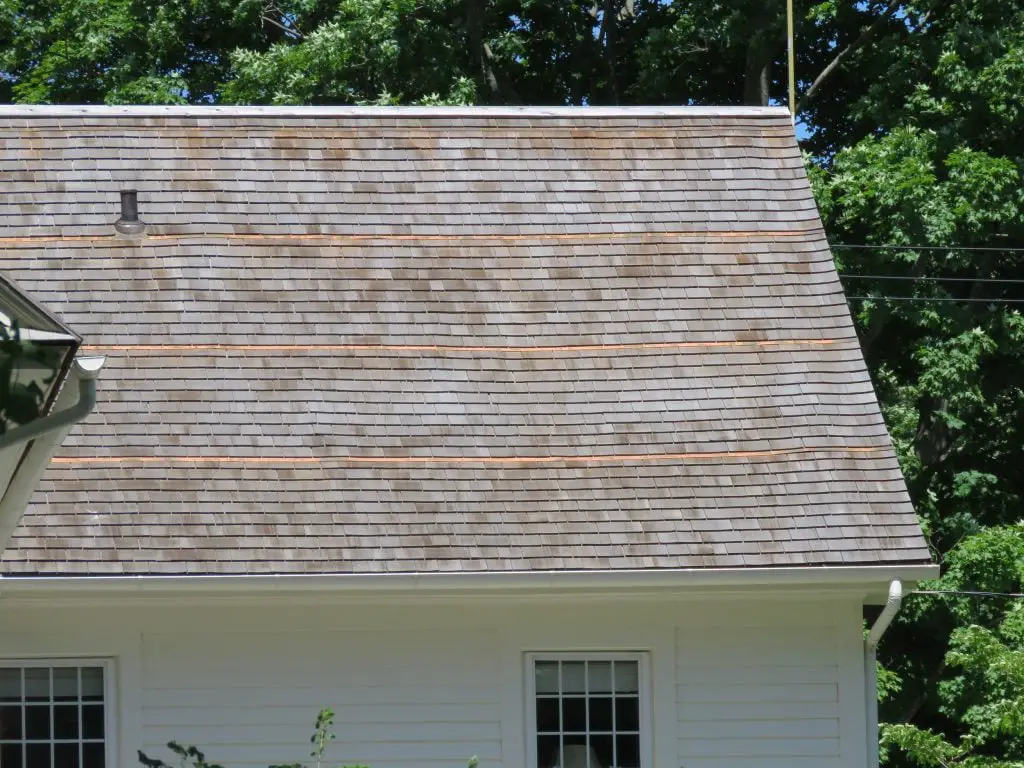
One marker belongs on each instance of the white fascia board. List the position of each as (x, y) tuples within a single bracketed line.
[(59, 111), (759, 579)]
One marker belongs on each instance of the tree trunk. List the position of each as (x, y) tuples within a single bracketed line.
[(490, 93), (757, 77), (608, 38)]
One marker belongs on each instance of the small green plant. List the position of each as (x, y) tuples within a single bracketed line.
[(191, 757)]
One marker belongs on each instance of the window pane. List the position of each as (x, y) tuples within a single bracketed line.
[(547, 677), (10, 684), (65, 684), (10, 755), (37, 721), (65, 721), (574, 751), (574, 677), (627, 677), (602, 746), (37, 756), (92, 721), (547, 751), (65, 756), (37, 684), (627, 751), (599, 676), (627, 714), (10, 722), (574, 715), (600, 714), (92, 683), (547, 715), (93, 756)]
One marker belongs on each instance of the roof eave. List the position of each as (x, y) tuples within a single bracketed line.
[(867, 576)]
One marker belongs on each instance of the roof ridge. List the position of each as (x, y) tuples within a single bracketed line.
[(64, 110)]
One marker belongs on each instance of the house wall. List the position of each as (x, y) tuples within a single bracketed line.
[(738, 682)]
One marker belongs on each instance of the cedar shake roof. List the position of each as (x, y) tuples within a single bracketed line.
[(373, 341)]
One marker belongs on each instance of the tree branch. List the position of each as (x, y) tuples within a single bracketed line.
[(290, 31), (846, 53)]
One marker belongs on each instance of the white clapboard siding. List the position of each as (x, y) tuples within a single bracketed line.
[(753, 695), (735, 683), (401, 699)]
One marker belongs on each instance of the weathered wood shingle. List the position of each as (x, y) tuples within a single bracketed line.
[(377, 341)]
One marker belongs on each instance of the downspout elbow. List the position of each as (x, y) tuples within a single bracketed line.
[(88, 369), (892, 607)]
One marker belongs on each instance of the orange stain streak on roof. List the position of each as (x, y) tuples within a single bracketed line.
[(442, 348), (626, 458), (467, 237)]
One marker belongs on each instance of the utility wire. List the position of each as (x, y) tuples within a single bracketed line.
[(928, 279), (967, 593), (937, 299), (988, 248)]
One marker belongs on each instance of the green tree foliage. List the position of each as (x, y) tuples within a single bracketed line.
[(912, 117), (939, 164), (980, 698)]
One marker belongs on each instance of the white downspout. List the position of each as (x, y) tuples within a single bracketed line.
[(892, 607)]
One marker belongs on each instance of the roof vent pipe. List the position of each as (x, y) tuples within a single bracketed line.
[(129, 223)]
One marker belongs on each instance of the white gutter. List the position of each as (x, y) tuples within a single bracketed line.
[(853, 576), (892, 607)]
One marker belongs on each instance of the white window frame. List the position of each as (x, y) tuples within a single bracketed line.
[(109, 689), (644, 678)]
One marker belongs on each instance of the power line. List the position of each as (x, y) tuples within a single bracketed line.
[(929, 279), (967, 593), (937, 299), (865, 247)]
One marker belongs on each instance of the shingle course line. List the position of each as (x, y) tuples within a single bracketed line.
[(441, 348), (626, 458)]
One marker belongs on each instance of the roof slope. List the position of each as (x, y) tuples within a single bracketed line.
[(363, 341)]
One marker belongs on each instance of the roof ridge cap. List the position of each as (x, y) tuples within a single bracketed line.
[(204, 111)]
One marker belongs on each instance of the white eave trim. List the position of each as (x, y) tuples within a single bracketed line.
[(736, 578), (59, 110)]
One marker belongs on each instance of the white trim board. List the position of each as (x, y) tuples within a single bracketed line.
[(868, 577)]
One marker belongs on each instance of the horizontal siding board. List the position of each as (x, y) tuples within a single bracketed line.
[(293, 710), (731, 711), (743, 693), (757, 674), (761, 761), (339, 695), (453, 732), (759, 747), (780, 728)]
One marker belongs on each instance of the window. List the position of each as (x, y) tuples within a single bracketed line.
[(53, 715), (588, 710)]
